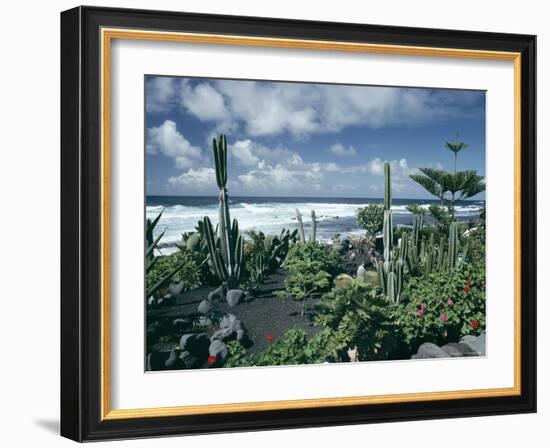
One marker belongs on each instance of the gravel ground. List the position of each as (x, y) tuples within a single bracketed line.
[(264, 316)]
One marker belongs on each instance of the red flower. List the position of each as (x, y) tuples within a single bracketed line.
[(211, 359), (444, 317), (467, 289), (420, 312), (423, 306), (474, 323), (269, 337), (450, 302)]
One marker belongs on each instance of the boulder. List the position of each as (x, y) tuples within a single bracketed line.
[(476, 343), (224, 334), (176, 288), (234, 296), (173, 361), (157, 360), (218, 349), (217, 294), (182, 323), (429, 350), (204, 307), (458, 349), (240, 334), (228, 321), (189, 361), (195, 343)]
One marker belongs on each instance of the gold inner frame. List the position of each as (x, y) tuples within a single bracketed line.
[(107, 35)]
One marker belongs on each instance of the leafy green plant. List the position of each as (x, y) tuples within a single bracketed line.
[(371, 218), (475, 241), (158, 275), (175, 268), (311, 268), (294, 348), (361, 318), (443, 307), (237, 356)]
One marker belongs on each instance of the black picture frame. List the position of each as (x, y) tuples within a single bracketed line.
[(81, 224)]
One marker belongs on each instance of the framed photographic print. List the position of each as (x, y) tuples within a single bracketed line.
[(273, 223)]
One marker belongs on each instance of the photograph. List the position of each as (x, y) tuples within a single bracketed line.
[(295, 223)]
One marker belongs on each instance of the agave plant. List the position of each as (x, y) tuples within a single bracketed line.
[(150, 258)]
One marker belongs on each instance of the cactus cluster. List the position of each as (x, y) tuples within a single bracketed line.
[(390, 271), (226, 249), (426, 258), (274, 251)]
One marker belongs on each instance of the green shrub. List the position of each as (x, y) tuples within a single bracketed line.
[(371, 218), (237, 356), (322, 258), (294, 348), (475, 241), (311, 270), (361, 317), (163, 264), (443, 307)]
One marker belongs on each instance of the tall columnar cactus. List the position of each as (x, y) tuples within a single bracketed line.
[(302, 233), (226, 253), (300, 226), (387, 186), (390, 271), (388, 224), (417, 227), (313, 236), (453, 246)]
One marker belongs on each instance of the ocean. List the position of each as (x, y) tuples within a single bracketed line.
[(271, 214)]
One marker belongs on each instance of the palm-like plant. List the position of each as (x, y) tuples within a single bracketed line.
[(456, 148), (435, 181), (460, 185)]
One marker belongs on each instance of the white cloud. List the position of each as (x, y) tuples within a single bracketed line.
[(250, 153), (160, 94), (166, 139), (343, 151), (268, 109), (280, 178), (204, 102), (400, 174), (279, 170), (194, 180), (301, 109)]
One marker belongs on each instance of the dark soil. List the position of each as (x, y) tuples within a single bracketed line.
[(264, 316)]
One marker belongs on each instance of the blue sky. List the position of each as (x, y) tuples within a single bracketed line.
[(304, 139)]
